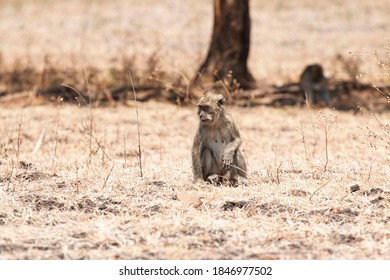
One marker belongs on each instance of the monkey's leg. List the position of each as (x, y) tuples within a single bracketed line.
[(238, 169), (240, 163), (309, 96), (232, 177), (209, 167), (324, 95)]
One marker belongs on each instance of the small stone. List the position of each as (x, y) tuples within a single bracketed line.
[(373, 191), (377, 200), (159, 184), (25, 165), (230, 205), (300, 193), (354, 188), (190, 199)]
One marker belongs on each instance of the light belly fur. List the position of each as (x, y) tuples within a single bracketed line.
[(217, 143)]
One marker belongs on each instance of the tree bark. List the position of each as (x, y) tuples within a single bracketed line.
[(229, 49)]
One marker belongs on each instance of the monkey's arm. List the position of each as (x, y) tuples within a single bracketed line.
[(196, 154), (232, 147)]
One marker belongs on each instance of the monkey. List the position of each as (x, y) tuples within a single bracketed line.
[(315, 85), (216, 154)]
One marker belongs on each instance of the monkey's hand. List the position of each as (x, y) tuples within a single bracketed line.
[(227, 160)]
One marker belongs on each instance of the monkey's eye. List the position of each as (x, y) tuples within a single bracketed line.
[(204, 108)]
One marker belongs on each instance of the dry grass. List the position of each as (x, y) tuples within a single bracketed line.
[(77, 200), (70, 185), (104, 34)]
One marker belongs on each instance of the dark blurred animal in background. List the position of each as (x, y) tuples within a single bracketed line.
[(315, 86)]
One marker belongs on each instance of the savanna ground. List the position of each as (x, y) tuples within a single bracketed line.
[(70, 182)]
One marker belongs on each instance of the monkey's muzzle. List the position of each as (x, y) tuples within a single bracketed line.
[(204, 117)]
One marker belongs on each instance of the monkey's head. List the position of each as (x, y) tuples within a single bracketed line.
[(210, 107), (316, 72)]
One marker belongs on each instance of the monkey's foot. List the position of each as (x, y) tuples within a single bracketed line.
[(233, 182), (213, 179)]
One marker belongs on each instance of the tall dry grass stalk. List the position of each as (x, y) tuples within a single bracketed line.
[(124, 149), (54, 154), (326, 131), (138, 128), (108, 176), (304, 142), (19, 139), (39, 142), (91, 117)]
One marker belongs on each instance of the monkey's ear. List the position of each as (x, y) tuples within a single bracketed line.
[(221, 101)]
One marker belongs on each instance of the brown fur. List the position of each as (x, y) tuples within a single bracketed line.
[(315, 85), (215, 153)]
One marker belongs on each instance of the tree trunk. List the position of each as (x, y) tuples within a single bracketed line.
[(228, 54)]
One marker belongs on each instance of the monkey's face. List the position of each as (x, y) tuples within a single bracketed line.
[(210, 107), (206, 114)]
